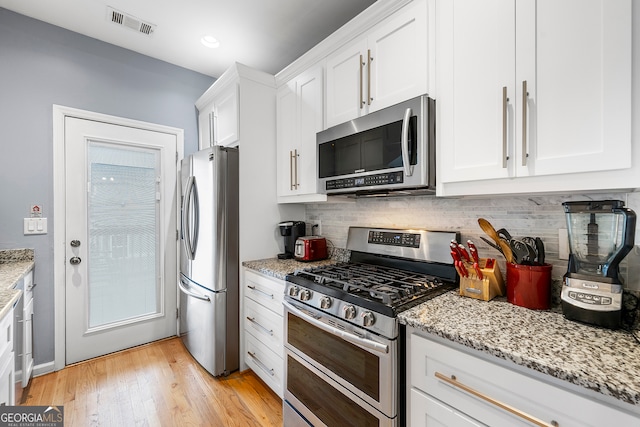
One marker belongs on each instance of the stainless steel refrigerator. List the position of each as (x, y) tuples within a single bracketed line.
[(209, 322)]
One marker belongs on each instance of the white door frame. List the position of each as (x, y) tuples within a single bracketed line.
[(59, 245)]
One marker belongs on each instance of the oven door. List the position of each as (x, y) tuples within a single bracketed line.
[(337, 373)]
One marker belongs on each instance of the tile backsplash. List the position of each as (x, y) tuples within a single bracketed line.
[(539, 215)]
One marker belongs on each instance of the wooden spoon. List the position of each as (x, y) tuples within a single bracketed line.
[(491, 232)]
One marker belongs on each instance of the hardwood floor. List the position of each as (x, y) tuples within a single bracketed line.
[(158, 384)]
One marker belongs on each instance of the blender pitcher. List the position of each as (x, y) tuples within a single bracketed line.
[(601, 234)]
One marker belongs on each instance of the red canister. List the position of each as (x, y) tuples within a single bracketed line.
[(529, 285)]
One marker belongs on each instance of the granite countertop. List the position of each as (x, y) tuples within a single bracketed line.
[(279, 268), (14, 265), (598, 359)]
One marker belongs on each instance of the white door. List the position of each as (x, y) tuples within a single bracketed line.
[(120, 237)]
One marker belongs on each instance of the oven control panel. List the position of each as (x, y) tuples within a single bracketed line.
[(391, 238)]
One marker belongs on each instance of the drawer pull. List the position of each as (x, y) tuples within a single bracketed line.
[(452, 380), (253, 288), (261, 365), (253, 320)]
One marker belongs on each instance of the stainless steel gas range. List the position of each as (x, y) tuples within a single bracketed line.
[(343, 345)]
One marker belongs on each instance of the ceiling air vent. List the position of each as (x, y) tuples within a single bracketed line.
[(129, 21)]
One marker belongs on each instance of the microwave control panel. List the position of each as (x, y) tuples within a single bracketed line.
[(366, 181)]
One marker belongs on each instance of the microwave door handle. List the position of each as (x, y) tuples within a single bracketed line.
[(408, 168), (354, 339)]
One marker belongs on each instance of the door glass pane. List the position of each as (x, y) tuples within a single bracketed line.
[(123, 225)]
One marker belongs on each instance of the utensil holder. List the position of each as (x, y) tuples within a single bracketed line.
[(529, 285), (490, 286)]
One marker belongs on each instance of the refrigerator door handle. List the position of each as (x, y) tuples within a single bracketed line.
[(181, 285), (191, 202)]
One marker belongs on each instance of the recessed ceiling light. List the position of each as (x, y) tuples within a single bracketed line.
[(210, 41)]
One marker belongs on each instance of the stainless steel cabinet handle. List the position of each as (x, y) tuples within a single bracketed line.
[(75, 260), (253, 320), (525, 98), (361, 94), (74, 243), (291, 178), (295, 168), (369, 60), (453, 381), (264, 367), (505, 103), (253, 288)]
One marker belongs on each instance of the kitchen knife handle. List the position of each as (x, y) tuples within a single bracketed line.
[(505, 104), (453, 381), (525, 98)]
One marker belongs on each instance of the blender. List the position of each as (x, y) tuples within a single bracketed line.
[(601, 234)]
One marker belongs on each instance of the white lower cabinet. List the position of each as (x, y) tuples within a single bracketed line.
[(263, 328), (7, 361), (449, 387)]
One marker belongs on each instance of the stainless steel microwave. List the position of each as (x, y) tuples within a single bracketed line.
[(385, 152)]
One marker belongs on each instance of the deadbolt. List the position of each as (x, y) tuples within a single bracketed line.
[(75, 243), (75, 260)]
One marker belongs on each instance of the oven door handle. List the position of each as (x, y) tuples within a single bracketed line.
[(352, 338)]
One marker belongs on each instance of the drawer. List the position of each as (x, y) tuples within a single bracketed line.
[(265, 325), (28, 287), (265, 363), (264, 290), (427, 411), (490, 385), (6, 334)]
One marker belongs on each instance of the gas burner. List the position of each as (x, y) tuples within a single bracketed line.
[(388, 285)]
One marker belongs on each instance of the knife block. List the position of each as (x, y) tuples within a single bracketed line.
[(490, 286)]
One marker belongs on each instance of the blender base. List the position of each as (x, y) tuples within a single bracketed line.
[(605, 319)]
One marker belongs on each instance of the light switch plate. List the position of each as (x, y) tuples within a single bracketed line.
[(35, 226)]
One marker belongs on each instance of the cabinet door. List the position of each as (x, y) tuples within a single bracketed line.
[(27, 340), (286, 138), (397, 57), (475, 47), (309, 97), (346, 83), (205, 127), (576, 59), (226, 111), (7, 381)]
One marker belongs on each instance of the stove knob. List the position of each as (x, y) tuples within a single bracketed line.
[(368, 319), (349, 312), (305, 295), (293, 291), (325, 302)]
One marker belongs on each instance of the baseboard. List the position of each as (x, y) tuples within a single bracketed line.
[(44, 368)]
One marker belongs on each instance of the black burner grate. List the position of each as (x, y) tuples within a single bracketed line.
[(388, 285)]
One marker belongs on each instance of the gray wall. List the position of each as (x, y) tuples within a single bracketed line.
[(42, 65)]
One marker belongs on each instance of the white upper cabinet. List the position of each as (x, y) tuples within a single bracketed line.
[(219, 112), (384, 66), (299, 116), (533, 89)]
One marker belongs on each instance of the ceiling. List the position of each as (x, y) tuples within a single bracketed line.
[(263, 34)]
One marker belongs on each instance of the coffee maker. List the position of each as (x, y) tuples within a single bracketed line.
[(291, 230), (601, 234)]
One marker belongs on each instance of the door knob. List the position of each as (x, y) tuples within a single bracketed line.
[(75, 260), (75, 243)]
